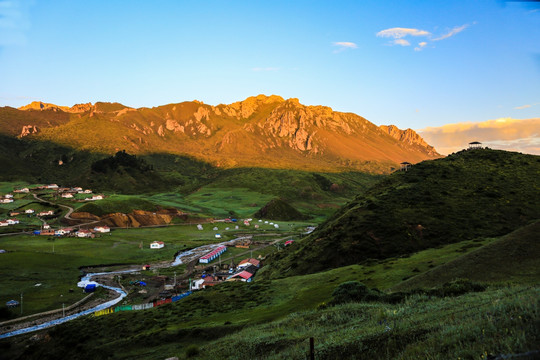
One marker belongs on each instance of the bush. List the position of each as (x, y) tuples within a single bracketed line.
[(192, 350), (352, 291)]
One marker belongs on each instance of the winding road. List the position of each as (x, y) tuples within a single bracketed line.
[(185, 256)]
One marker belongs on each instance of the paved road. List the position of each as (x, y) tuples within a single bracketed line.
[(181, 258), (70, 209)]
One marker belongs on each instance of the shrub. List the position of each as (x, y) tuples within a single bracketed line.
[(351, 291), (192, 350)]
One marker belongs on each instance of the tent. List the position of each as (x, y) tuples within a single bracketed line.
[(90, 288), (12, 303)]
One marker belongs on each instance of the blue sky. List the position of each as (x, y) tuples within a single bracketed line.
[(410, 63)]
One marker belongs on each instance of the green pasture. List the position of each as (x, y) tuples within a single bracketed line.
[(267, 314)]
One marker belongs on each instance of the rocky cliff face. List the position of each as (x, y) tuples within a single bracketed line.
[(262, 130), (409, 137)]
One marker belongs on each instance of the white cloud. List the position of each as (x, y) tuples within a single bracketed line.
[(398, 33), (525, 106), (503, 133), (346, 44), (420, 46), (454, 31), (401, 42)]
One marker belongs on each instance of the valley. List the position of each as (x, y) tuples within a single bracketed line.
[(388, 258)]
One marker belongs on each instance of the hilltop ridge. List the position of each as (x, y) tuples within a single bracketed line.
[(261, 131)]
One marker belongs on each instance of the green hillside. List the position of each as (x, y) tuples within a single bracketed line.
[(277, 209), (468, 195), (514, 257)]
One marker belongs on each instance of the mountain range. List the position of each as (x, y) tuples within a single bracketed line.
[(261, 131)]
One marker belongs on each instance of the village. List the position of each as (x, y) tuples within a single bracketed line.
[(24, 214), (244, 245)]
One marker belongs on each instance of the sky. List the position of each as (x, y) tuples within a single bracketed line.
[(414, 64)]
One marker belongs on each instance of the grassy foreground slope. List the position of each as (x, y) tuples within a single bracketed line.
[(471, 194), (514, 257), (274, 319)]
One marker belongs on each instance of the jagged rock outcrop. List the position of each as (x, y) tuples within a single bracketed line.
[(38, 105), (266, 131), (408, 136), (27, 130)]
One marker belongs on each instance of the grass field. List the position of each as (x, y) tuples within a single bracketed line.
[(274, 319), (30, 259)]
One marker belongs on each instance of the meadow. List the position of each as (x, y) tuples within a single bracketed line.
[(275, 318), (55, 261)]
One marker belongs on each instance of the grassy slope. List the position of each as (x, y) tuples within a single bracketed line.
[(481, 193), (514, 257), (262, 309)]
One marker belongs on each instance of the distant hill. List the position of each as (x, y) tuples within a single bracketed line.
[(470, 194), (278, 209), (514, 257), (261, 131)]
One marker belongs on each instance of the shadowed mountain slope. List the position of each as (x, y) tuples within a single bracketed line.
[(514, 257), (471, 194)]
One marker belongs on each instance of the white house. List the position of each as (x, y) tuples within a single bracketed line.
[(46, 226), (29, 211), (217, 236), (60, 232), (77, 189), (8, 196), (52, 186), (67, 195), (23, 190), (87, 191), (157, 245), (12, 221), (84, 233), (6, 200), (46, 213), (102, 229), (3, 223)]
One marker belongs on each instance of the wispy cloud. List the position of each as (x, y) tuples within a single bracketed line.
[(504, 133), (265, 69), (420, 46), (525, 106), (398, 34), (14, 21), (344, 45), (401, 42), (454, 31)]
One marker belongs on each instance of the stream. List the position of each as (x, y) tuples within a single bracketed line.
[(122, 294)]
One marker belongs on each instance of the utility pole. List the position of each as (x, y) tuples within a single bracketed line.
[(21, 302)]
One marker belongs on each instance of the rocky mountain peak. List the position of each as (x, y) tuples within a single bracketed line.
[(38, 105), (407, 136)]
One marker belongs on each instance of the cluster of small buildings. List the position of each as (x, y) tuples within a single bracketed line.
[(9, 222), (69, 193), (245, 271), (6, 199), (81, 233)]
